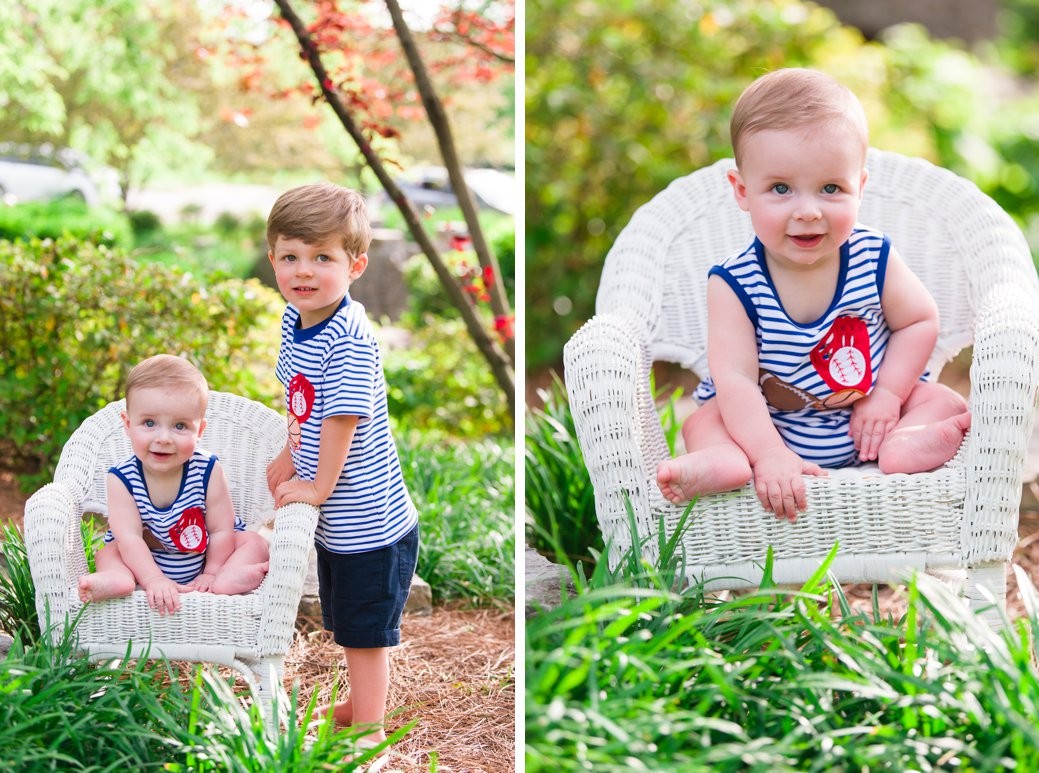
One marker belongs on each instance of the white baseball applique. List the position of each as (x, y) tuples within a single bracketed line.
[(842, 356)]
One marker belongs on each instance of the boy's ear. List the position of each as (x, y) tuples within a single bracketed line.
[(359, 264), (270, 256), (739, 188)]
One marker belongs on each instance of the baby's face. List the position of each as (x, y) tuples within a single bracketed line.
[(164, 426), (802, 190)]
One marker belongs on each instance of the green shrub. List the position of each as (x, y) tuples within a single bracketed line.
[(59, 711), (67, 217), (144, 223), (630, 673), (17, 590), (465, 495), (440, 383), (74, 317)]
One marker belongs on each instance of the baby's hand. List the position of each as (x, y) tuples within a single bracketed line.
[(872, 419), (779, 485), (164, 594)]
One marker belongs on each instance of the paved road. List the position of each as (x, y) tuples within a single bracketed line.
[(211, 200)]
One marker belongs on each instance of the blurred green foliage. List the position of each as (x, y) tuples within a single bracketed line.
[(623, 97), (75, 317), (67, 216)]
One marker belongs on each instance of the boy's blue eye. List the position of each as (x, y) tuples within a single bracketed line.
[(323, 258), (781, 188), (288, 258), (831, 188)]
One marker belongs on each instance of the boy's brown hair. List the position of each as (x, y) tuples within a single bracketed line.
[(165, 371), (796, 98), (313, 213)]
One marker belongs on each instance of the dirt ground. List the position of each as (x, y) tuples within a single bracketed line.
[(453, 675)]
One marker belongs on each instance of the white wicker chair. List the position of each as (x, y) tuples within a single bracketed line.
[(250, 632), (651, 305)]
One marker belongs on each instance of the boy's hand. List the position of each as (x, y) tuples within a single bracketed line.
[(778, 482), (297, 491), (872, 419), (164, 594), (280, 469)]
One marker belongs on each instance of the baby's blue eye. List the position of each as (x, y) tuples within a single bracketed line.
[(781, 188), (181, 425), (831, 188), (149, 423)]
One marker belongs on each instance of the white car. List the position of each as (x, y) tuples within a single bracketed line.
[(43, 173)]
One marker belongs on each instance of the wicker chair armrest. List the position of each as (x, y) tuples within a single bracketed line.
[(54, 546), (607, 368), (293, 539), (1004, 377)]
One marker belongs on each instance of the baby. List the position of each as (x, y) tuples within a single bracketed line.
[(172, 527), (818, 332)]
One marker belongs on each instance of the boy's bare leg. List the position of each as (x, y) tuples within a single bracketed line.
[(246, 567), (714, 463), (934, 420), (113, 579), (369, 686)]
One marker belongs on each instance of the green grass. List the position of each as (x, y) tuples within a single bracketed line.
[(632, 675), (465, 495)]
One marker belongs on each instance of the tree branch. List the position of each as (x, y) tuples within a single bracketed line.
[(499, 362)]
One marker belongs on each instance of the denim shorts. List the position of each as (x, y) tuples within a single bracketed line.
[(363, 594)]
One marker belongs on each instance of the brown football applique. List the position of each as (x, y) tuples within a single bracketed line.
[(786, 397)]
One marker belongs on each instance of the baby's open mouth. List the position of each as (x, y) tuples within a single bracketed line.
[(806, 240)]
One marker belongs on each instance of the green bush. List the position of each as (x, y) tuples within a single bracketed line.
[(67, 217), (74, 317), (559, 498), (630, 674), (465, 495), (622, 98), (440, 383), (59, 711)]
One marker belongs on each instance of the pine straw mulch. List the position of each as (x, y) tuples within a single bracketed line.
[(453, 675)]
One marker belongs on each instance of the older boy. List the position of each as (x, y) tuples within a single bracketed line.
[(339, 442)]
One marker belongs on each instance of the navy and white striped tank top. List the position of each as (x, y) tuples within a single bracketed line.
[(181, 527), (811, 373)]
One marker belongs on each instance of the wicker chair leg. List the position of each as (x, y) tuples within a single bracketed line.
[(986, 591), (266, 678)]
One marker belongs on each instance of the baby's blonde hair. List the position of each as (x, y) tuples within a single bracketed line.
[(165, 371), (315, 212), (796, 98)]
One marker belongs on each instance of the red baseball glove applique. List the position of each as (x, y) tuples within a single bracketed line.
[(189, 533), (301, 403), (842, 357)]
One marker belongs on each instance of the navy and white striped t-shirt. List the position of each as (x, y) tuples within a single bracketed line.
[(811, 373), (335, 369), (181, 527)]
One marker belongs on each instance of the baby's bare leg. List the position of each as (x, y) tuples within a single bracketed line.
[(246, 567), (714, 463), (934, 420), (112, 579)]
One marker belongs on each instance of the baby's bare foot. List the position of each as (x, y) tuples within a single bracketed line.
[(703, 472), (103, 585), (242, 580), (923, 448)]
